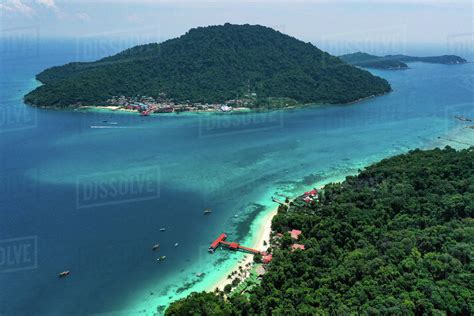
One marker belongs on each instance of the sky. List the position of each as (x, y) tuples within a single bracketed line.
[(382, 26)]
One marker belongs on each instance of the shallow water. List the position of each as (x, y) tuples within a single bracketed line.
[(93, 200)]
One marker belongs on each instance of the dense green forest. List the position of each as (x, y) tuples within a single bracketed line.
[(397, 61), (211, 64), (397, 239)]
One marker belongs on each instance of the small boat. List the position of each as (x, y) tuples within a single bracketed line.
[(161, 258), (207, 211), (64, 274), (162, 229), (155, 247), (176, 244), (462, 118)]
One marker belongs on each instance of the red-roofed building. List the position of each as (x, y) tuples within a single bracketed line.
[(313, 192), (297, 246), (267, 258), (295, 233)]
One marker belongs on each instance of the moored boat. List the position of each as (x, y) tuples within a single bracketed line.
[(64, 274), (161, 258)]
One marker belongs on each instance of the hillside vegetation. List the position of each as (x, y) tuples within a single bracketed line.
[(398, 239), (211, 64)]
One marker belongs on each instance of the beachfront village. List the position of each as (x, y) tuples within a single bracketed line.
[(250, 271), (146, 105)]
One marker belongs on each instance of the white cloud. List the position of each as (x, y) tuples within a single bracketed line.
[(4, 7), (50, 4), (16, 6), (47, 3)]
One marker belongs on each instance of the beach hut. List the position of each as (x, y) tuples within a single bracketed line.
[(260, 270), (295, 233), (297, 247), (267, 258)]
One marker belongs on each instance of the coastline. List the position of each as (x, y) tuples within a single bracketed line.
[(263, 235), (240, 109), (263, 230), (264, 227)]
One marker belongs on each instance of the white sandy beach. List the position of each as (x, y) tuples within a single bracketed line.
[(263, 234)]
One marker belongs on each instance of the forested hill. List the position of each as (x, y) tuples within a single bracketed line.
[(397, 61), (398, 239), (211, 64)]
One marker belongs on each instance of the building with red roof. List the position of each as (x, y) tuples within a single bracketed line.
[(297, 246), (267, 258), (313, 192), (295, 233)]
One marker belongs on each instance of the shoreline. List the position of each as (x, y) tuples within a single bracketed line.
[(264, 226), (263, 235), (120, 109)]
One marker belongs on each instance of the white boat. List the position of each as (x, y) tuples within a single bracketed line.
[(161, 258)]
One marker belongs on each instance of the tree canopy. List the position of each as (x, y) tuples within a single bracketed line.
[(397, 239)]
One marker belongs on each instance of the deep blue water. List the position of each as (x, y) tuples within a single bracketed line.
[(93, 200)]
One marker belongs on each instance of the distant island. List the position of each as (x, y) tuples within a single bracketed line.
[(397, 239), (396, 62), (216, 67)]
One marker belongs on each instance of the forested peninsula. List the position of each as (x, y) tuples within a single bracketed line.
[(397, 239), (395, 62)]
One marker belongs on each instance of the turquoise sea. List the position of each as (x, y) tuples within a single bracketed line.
[(89, 191)]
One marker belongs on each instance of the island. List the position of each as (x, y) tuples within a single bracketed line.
[(217, 67), (397, 62), (396, 239)]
